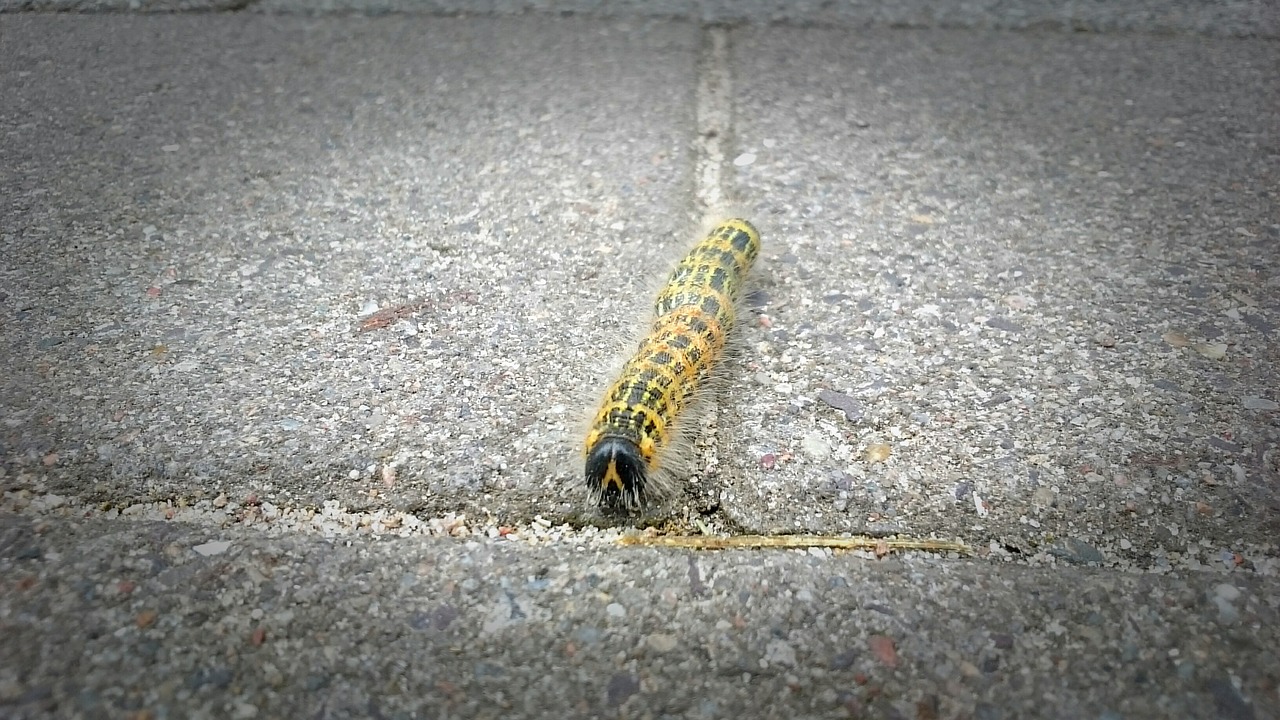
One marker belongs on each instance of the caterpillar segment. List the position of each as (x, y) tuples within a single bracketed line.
[(632, 445)]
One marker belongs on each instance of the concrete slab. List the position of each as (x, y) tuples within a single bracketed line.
[(1237, 18), (385, 263), (168, 620), (300, 315), (1020, 289), (370, 261)]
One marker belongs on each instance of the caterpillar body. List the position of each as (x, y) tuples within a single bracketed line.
[(629, 444)]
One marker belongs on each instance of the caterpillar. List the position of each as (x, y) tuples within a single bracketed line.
[(629, 445)]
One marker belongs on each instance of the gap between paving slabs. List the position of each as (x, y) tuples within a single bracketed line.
[(333, 521)]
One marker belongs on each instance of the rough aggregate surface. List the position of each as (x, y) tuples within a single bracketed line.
[(1022, 289), (300, 319), (176, 620), (325, 259)]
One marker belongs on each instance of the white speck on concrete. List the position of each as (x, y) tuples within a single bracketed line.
[(216, 547), (1227, 592), (780, 652), (1257, 403), (661, 642), (979, 505), (815, 446)]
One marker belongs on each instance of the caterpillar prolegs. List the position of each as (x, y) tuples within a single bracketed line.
[(646, 409)]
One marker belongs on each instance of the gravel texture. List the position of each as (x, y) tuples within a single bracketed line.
[(1233, 18), (358, 260), (179, 621), (301, 318), (384, 265), (1021, 289)]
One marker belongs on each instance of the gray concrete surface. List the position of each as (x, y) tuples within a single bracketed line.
[(198, 229), (173, 621), (339, 291), (1044, 266), (1235, 18)]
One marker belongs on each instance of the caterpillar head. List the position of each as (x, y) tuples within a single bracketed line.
[(616, 472)]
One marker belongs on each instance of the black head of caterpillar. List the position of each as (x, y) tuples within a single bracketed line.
[(616, 471), (636, 441)]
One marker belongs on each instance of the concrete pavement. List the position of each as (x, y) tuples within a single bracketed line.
[(336, 291)]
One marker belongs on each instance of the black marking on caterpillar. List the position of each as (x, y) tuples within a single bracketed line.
[(632, 442)]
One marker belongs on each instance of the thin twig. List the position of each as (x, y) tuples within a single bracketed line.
[(878, 545)]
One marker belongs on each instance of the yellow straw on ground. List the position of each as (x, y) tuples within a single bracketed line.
[(710, 542)]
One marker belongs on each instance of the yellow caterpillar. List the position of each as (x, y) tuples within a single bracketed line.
[(630, 442)]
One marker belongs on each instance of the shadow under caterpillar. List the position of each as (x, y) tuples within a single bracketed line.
[(631, 448)]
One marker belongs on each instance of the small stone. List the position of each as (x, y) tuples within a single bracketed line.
[(1227, 700), (850, 406), (216, 547), (815, 446), (979, 505), (621, 687), (616, 610), (661, 642), (1004, 324), (780, 652), (1227, 612), (878, 452), (1176, 339), (1018, 302), (1257, 403), (1043, 497), (1227, 591), (1213, 351), (1077, 551), (882, 647), (744, 159)]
